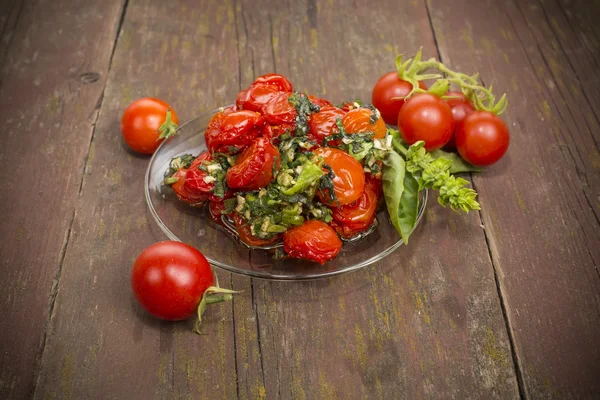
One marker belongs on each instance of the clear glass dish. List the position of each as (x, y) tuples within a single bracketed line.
[(192, 225)]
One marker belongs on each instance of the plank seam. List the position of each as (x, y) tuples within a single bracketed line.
[(12, 36), (235, 361), (260, 350), (56, 281), (516, 366)]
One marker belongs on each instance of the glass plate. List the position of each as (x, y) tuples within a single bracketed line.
[(192, 225)]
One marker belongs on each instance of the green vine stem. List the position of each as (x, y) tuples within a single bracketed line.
[(212, 295)]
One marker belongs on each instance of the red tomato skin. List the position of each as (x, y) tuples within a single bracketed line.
[(461, 107), (253, 168), (319, 101), (169, 279), (182, 192), (386, 89), (358, 120), (349, 181), (375, 183), (279, 81), (261, 91), (233, 131), (426, 117), (279, 111), (482, 138), (357, 216), (324, 123), (314, 240), (141, 121), (245, 234)]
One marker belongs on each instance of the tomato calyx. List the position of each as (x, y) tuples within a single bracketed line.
[(168, 128), (212, 295)]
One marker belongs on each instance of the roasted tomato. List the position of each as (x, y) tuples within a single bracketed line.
[(324, 123), (279, 111), (364, 119), (245, 233), (194, 181), (349, 179), (314, 240), (231, 132), (261, 91), (215, 207), (253, 168), (376, 184), (181, 191), (319, 101), (353, 218)]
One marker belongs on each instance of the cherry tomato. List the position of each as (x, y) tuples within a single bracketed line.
[(141, 122), (215, 208), (314, 240), (279, 111), (353, 218), (388, 96), (360, 120), (319, 101), (375, 183), (482, 138), (253, 168), (324, 123), (182, 192), (232, 131), (461, 107), (426, 117), (169, 279), (349, 180), (261, 91), (245, 233)]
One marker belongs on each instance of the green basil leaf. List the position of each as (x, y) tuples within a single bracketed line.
[(458, 164), (409, 206)]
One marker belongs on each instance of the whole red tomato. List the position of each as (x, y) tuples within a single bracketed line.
[(232, 131), (142, 121), (324, 123), (349, 180), (359, 120), (426, 117), (169, 279), (353, 218), (245, 234), (482, 138), (388, 96), (314, 240), (253, 168), (261, 91), (461, 107)]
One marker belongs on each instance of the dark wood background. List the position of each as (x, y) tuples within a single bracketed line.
[(504, 303)]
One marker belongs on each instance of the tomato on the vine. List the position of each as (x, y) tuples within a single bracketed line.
[(314, 240), (388, 95), (324, 123), (461, 107), (349, 179), (253, 169), (169, 279), (144, 121), (232, 131), (428, 118), (482, 138), (364, 119), (353, 218)]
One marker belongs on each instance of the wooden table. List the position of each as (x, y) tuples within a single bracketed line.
[(502, 303)]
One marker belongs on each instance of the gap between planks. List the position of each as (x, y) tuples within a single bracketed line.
[(63, 252)]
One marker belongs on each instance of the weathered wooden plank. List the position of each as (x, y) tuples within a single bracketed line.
[(539, 203), (101, 343), (47, 112), (424, 322)]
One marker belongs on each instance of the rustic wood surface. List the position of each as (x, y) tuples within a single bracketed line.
[(504, 303)]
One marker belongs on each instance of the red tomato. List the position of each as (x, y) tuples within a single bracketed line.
[(261, 91), (319, 101), (215, 208), (230, 132), (279, 111), (194, 178), (245, 234), (182, 192), (357, 216), (169, 279), (253, 168), (314, 240), (461, 107), (376, 184), (324, 123), (359, 120), (388, 96), (482, 138), (141, 122), (426, 117), (349, 180)]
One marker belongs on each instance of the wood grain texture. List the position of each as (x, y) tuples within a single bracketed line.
[(540, 203), (47, 113), (425, 322), (101, 344)]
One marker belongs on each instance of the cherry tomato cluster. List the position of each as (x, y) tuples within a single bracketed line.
[(441, 118), (287, 166)]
